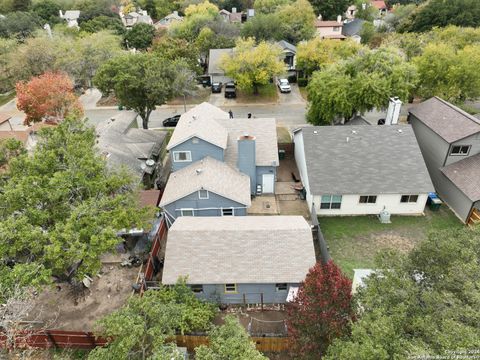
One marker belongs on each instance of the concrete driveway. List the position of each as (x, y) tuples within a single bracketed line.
[(294, 97)]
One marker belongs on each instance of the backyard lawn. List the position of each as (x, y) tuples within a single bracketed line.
[(266, 94), (353, 241)]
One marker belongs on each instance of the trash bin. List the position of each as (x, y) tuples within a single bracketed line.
[(434, 202), (281, 154)]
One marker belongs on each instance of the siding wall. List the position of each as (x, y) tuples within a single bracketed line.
[(199, 150), (216, 293), (473, 141), (265, 170), (351, 206), (212, 206)]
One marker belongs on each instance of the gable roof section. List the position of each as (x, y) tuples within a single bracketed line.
[(214, 176), (332, 23), (214, 58), (465, 174), (285, 45), (379, 4), (199, 122), (364, 160), (265, 132), (239, 249), (353, 27), (448, 121)]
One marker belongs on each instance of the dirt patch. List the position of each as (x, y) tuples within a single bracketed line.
[(390, 240), (109, 100), (267, 322), (60, 307)]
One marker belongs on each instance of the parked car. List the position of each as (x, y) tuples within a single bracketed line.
[(171, 121), (204, 80), (230, 90), (284, 85), (216, 87)]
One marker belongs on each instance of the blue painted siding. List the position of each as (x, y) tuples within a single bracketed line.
[(214, 204), (265, 170), (199, 150), (246, 160), (216, 293)]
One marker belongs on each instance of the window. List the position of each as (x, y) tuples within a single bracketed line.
[(182, 156), (230, 288), (460, 150), (331, 202), (187, 212), (203, 194), (409, 199), (368, 199), (281, 286), (227, 212), (198, 289)]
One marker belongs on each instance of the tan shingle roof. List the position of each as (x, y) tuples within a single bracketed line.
[(320, 23), (445, 119), (239, 249), (465, 174), (215, 176), (265, 132), (199, 122)]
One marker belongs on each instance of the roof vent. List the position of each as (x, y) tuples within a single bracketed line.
[(315, 131), (354, 131), (198, 171), (348, 139), (194, 117), (150, 162), (400, 130)]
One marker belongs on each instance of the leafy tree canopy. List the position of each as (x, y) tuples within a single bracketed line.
[(229, 341), (48, 11), (140, 329), (103, 22), (330, 9), (269, 6), (205, 8), (61, 206), (140, 36), (19, 25), (424, 303), (176, 49)]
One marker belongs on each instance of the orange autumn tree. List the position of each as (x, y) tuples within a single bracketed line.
[(48, 97)]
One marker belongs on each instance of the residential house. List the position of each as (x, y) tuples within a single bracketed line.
[(330, 29), (26, 135), (168, 20), (135, 17), (71, 17), (450, 142), (353, 29), (215, 70), (360, 170), (351, 12), (206, 188), (225, 15), (235, 16), (290, 55), (138, 150), (380, 6), (249, 145), (240, 260)]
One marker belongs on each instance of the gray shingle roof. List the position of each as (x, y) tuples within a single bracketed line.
[(285, 45), (465, 174), (240, 249), (200, 122), (366, 160), (214, 58), (445, 119), (265, 132), (353, 27), (215, 176)]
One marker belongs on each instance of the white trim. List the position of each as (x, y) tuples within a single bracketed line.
[(203, 198), (215, 208), (187, 209), (187, 152)]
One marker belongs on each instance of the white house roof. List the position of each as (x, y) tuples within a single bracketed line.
[(199, 122), (364, 160), (71, 14), (265, 132), (239, 249), (208, 174)]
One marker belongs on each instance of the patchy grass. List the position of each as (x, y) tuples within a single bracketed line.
[(283, 135), (201, 95), (266, 94), (354, 241), (5, 98), (472, 110)]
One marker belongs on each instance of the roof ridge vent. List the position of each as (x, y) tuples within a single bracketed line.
[(198, 171)]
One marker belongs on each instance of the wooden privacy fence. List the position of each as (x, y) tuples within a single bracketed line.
[(60, 339)]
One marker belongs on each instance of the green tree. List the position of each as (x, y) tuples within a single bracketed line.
[(48, 11), (360, 84), (269, 6), (9, 148), (299, 18), (367, 33), (424, 303), (229, 341), (175, 49), (8, 47), (61, 206), (19, 25), (139, 81), (141, 328), (264, 27), (103, 22), (140, 36), (253, 65), (330, 9), (207, 39), (191, 26), (21, 5), (204, 8)]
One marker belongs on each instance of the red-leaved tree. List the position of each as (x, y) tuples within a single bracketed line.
[(321, 311), (48, 97)]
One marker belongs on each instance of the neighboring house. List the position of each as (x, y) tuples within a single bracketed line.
[(351, 12), (235, 17), (329, 29), (214, 65), (290, 55), (240, 260), (380, 6), (225, 15), (450, 142), (352, 29), (206, 188), (71, 17), (249, 145), (139, 150), (169, 20), (360, 170), (28, 135), (135, 17)]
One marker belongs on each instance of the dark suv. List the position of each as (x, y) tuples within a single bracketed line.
[(171, 121), (230, 90)]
